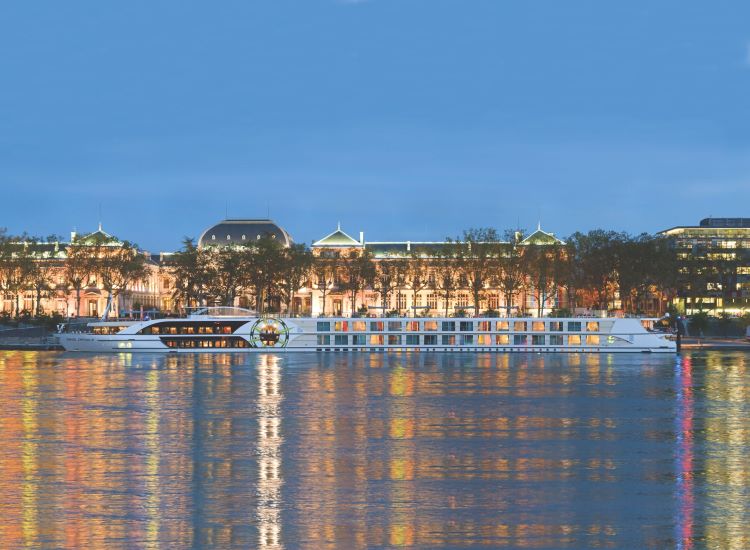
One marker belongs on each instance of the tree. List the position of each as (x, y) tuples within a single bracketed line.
[(263, 265), (296, 263), (477, 256), (358, 274), (512, 263), (417, 275), (444, 279), (118, 265), (323, 273), (390, 276), (543, 262), (226, 274), (77, 269)]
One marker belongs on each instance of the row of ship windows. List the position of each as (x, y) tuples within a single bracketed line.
[(188, 329), (466, 340), (206, 342), (463, 326)]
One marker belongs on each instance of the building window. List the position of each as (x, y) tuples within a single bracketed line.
[(412, 326), (213, 237), (341, 326), (359, 326), (484, 326), (401, 301), (502, 339), (462, 300), (493, 302), (432, 301)]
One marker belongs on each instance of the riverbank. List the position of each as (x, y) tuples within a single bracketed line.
[(739, 344)]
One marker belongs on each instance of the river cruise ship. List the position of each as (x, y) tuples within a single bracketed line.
[(230, 329)]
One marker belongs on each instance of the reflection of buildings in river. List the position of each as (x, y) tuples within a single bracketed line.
[(269, 451), (684, 453), (728, 438)]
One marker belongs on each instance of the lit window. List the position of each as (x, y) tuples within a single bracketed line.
[(485, 326), (376, 339), (556, 326), (376, 326), (394, 339), (243, 237), (430, 325), (537, 326), (502, 325), (449, 340), (484, 340), (359, 326), (412, 326), (341, 326), (574, 340), (229, 237), (592, 340), (592, 326), (213, 237), (257, 237), (502, 339), (519, 325)]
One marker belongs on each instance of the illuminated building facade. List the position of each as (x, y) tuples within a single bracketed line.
[(714, 259)]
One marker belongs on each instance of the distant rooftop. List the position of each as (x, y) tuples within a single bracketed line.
[(725, 222)]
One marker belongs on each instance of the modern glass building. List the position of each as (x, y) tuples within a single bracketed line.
[(714, 261)]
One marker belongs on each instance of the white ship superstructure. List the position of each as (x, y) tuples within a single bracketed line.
[(230, 329)]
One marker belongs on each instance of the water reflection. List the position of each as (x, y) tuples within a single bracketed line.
[(356, 451)]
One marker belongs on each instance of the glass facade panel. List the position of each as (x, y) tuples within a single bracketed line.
[(502, 339), (484, 340), (341, 326), (484, 326)]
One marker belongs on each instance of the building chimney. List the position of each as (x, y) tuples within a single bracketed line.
[(362, 238)]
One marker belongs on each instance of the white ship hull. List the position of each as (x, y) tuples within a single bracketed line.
[(219, 334)]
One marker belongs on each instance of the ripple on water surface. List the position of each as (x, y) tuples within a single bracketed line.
[(374, 451)]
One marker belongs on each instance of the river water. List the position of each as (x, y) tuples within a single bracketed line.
[(374, 451)]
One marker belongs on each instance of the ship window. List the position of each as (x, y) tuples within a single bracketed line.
[(430, 340), (359, 339), (574, 326), (537, 340), (412, 326), (376, 339), (341, 339), (467, 339), (449, 340), (376, 326), (537, 326), (394, 339), (484, 326), (324, 339), (555, 340), (484, 340), (324, 326), (520, 339), (556, 326), (412, 339), (592, 339), (519, 325), (574, 340), (359, 326), (341, 326), (430, 325), (502, 325), (466, 326), (394, 325), (592, 326), (502, 339), (449, 325)]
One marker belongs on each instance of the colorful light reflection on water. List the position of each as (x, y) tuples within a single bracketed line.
[(380, 451)]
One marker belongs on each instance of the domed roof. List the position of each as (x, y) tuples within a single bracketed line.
[(237, 232)]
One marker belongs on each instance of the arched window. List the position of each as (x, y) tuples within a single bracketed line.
[(229, 237), (243, 237), (213, 237)]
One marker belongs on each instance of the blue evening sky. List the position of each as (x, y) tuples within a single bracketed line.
[(406, 119)]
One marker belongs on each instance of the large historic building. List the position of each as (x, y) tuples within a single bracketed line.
[(714, 258)]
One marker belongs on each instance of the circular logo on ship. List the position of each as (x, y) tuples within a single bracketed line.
[(268, 332)]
